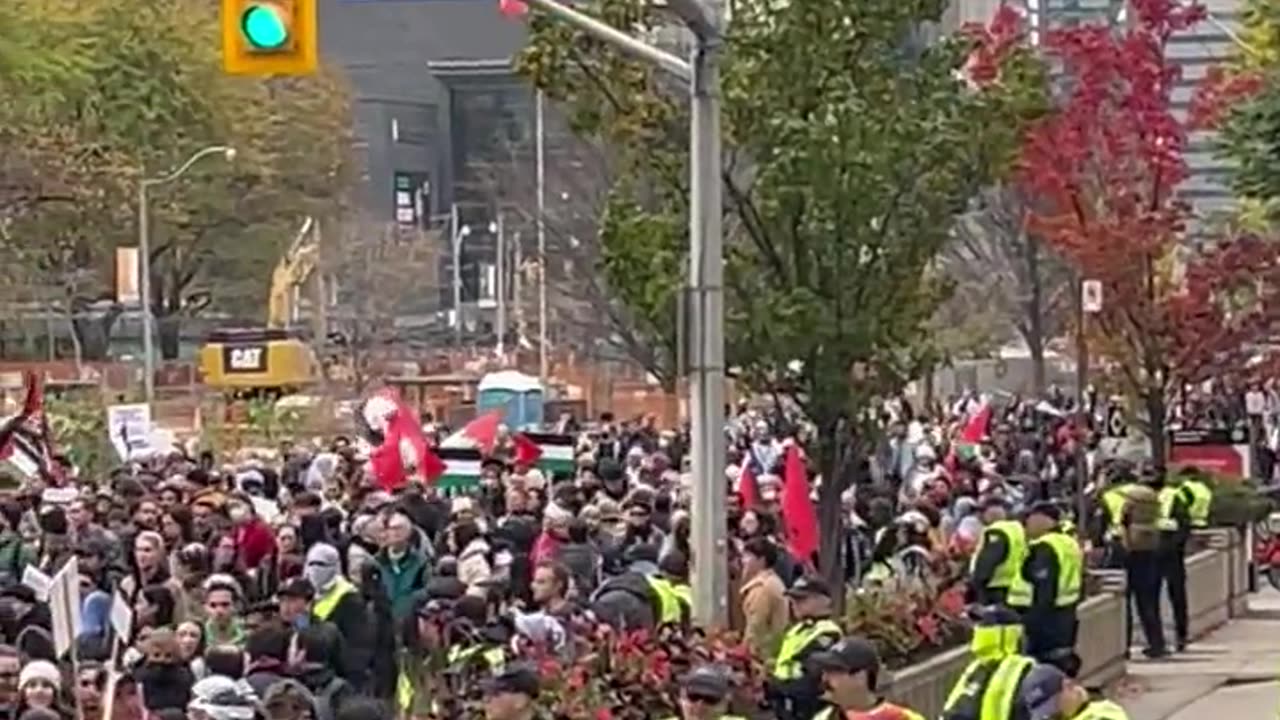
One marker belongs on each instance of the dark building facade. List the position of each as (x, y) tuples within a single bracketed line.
[(437, 111)]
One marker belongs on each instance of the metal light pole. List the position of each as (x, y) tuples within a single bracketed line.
[(500, 285), (144, 250), (706, 265), (540, 181), (457, 233)]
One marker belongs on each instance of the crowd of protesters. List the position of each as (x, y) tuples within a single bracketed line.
[(286, 585)]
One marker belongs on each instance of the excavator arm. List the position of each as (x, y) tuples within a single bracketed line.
[(295, 266)]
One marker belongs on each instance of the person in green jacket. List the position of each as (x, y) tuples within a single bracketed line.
[(404, 565)]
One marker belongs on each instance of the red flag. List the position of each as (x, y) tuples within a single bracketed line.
[(527, 451), (798, 514), (976, 427), (404, 451), (748, 489), (481, 433), (512, 8)]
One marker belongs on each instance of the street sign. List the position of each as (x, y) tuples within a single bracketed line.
[(1091, 296), (1116, 426)]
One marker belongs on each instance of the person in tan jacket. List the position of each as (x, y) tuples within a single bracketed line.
[(764, 600)]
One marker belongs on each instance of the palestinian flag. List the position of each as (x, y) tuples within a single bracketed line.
[(461, 470), (556, 458), (479, 434), (552, 452), (24, 438)]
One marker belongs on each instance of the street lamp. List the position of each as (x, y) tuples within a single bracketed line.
[(458, 234), (144, 249), (705, 18)]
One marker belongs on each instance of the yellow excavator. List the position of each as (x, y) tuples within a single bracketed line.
[(270, 361)]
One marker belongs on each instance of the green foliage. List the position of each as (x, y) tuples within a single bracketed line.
[(138, 88), (849, 148), (860, 148), (79, 429)]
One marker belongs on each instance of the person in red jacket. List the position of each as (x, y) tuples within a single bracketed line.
[(253, 537)]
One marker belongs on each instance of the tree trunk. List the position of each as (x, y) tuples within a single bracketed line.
[(836, 449), (94, 334), (169, 336), (1155, 407), (1034, 335)]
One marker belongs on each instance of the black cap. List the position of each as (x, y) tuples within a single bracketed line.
[(21, 593), (1038, 691), (300, 588), (708, 681), (810, 585), (516, 678), (850, 655), (1048, 508)]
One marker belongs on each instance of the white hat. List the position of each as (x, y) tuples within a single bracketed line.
[(462, 504), (40, 670)]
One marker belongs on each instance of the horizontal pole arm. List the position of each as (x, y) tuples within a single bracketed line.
[(616, 37)]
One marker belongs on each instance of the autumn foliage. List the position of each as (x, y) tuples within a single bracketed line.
[(1104, 170)]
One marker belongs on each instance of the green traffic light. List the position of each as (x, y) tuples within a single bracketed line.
[(264, 27)]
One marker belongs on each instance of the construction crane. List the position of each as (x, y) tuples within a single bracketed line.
[(269, 361)]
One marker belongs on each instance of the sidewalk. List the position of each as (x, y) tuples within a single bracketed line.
[(1230, 673)]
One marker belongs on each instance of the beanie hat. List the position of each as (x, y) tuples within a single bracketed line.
[(40, 670)]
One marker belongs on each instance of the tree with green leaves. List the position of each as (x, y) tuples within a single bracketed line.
[(140, 89), (851, 145)]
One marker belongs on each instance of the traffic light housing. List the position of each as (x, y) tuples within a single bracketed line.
[(269, 37)]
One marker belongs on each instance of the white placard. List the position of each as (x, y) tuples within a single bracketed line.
[(121, 617), (37, 581), (130, 428), (64, 606)]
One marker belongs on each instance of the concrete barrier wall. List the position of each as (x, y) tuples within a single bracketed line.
[(1100, 644)]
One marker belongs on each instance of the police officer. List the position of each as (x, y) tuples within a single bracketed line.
[(1140, 536), (1199, 496), (1047, 693), (1109, 526), (510, 694), (704, 694), (1175, 530), (794, 689), (1054, 568), (988, 690), (671, 587), (850, 672), (995, 573)]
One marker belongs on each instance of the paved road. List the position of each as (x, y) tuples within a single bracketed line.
[(1229, 675)]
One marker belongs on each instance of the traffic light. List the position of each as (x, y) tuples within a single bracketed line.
[(269, 37)]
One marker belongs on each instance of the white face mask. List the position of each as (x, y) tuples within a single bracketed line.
[(238, 513), (320, 575)]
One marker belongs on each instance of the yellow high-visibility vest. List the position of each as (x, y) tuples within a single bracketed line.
[(1015, 538), (1168, 497), (674, 600), (797, 638), (1102, 710), (1070, 566), (991, 685), (1201, 502), (328, 602)]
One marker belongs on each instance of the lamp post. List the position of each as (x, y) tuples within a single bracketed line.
[(458, 232), (144, 249), (705, 18)]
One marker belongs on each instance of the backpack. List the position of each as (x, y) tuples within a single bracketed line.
[(331, 697), (1141, 511)]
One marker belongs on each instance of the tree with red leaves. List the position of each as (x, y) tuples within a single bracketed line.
[(1104, 170)]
